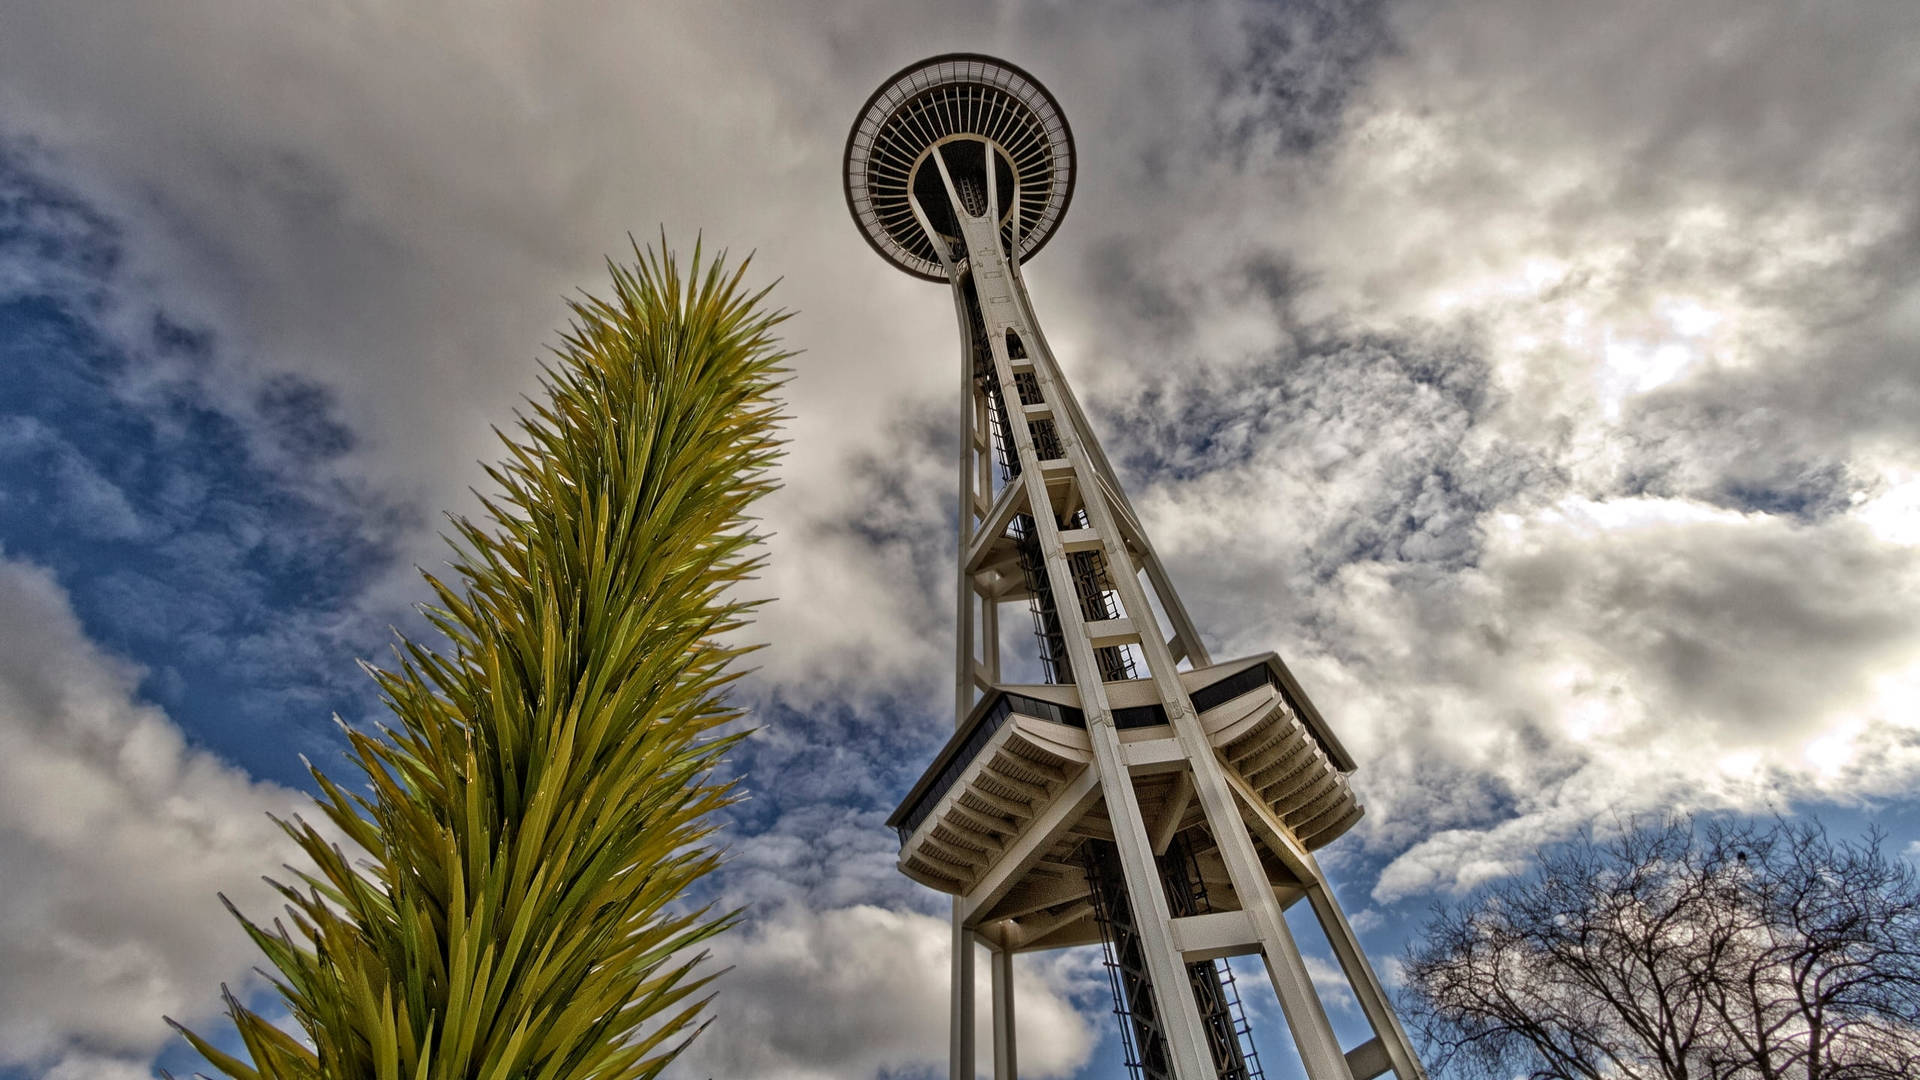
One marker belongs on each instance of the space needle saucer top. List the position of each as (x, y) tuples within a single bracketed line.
[(957, 98)]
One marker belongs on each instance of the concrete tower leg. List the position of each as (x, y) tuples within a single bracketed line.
[(993, 279), (1179, 1016), (1390, 1049), (1313, 1033), (960, 1031), (1390, 1044), (1005, 1059)]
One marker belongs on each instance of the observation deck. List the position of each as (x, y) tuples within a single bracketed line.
[(958, 102), (997, 815)]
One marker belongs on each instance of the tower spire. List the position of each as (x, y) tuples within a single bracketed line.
[(1141, 795)]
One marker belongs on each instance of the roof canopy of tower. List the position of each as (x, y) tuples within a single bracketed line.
[(957, 97)]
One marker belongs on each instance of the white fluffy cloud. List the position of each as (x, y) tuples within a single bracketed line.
[(1630, 657), (862, 991), (1555, 417), (115, 835)]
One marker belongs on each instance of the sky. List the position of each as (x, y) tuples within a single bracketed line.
[(1542, 380)]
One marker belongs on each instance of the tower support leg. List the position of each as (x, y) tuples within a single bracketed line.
[(1366, 985), (1005, 1060), (1391, 1037), (960, 1033), (1174, 1008), (1313, 1033)]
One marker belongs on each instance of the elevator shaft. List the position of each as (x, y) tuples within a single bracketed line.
[(1209, 981)]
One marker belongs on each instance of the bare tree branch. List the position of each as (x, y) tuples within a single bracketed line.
[(1682, 951)]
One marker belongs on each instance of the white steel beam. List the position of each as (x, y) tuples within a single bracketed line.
[(1313, 1033), (1214, 935), (1005, 1061), (1040, 926), (1366, 985), (1396, 1049), (1175, 809), (960, 1022), (1002, 308), (1006, 505)]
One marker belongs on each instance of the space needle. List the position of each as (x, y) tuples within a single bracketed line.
[(1134, 792)]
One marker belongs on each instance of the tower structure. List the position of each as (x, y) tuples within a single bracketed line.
[(1140, 795)]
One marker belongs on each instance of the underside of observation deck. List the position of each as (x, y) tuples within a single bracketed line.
[(999, 817)]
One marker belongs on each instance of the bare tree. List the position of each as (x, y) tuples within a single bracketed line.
[(1685, 951)]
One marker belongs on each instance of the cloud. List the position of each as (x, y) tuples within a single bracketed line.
[(191, 514), (863, 991), (399, 219), (1538, 378), (1630, 656), (1331, 984), (1553, 415), (1392, 971), (415, 261), (88, 504), (95, 1067), (116, 835)]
